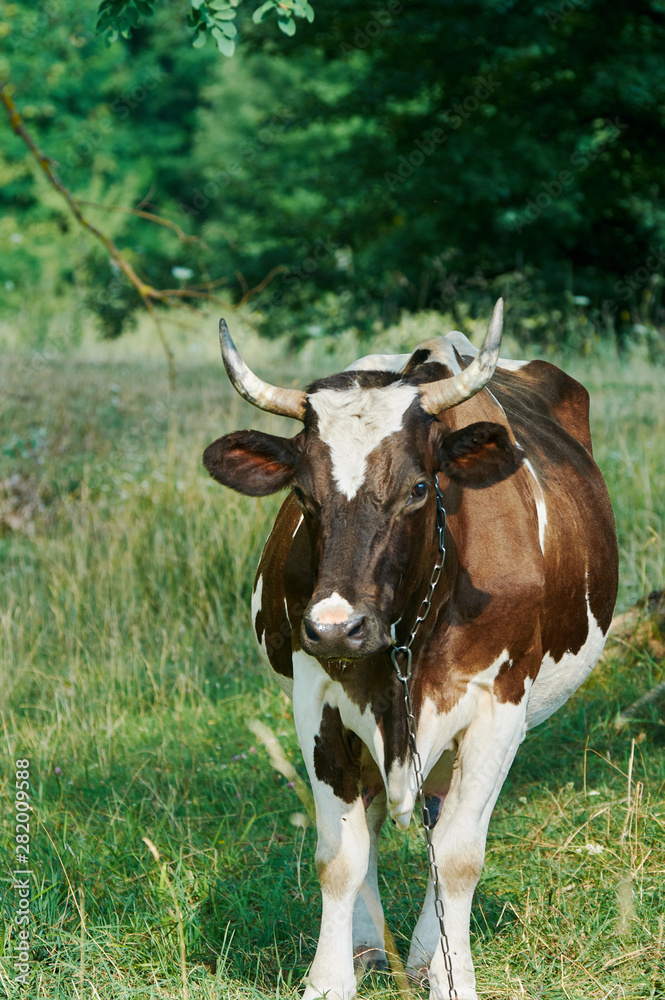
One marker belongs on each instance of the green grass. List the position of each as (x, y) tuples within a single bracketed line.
[(128, 675)]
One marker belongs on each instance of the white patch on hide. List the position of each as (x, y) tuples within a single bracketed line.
[(509, 365), (310, 675), (541, 509), (353, 422), (256, 607), (436, 732)]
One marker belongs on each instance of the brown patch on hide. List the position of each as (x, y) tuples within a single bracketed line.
[(272, 624), (335, 876), (462, 877), (510, 682), (337, 756)]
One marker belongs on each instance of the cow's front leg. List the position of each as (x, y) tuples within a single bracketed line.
[(485, 753), (343, 846), (368, 922)]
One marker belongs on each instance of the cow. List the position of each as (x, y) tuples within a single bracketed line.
[(516, 621)]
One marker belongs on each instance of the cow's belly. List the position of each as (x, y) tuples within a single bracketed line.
[(558, 680)]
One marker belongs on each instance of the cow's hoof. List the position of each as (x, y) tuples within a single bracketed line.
[(419, 976), (366, 959)]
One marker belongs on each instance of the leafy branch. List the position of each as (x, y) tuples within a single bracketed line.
[(208, 18)]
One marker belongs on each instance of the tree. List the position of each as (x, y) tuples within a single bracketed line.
[(415, 155)]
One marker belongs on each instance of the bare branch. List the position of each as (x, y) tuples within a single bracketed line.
[(147, 215), (47, 164), (148, 293), (262, 284)]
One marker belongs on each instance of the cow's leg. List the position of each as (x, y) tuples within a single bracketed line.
[(343, 846), (368, 923), (485, 753)]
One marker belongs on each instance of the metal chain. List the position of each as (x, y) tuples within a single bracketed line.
[(404, 677)]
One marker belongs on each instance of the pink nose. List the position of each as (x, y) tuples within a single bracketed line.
[(333, 615)]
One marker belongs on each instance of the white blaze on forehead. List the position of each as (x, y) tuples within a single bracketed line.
[(332, 610), (353, 422)]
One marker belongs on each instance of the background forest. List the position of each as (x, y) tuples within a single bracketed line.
[(411, 155)]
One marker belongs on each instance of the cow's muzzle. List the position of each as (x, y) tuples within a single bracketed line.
[(357, 635)]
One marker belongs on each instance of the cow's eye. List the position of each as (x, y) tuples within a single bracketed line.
[(306, 505), (419, 491), (299, 495)]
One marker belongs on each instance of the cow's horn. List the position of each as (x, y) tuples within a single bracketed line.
[(447, 392), (287, 402)]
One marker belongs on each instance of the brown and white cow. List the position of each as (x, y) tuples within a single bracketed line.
[(518, 619)]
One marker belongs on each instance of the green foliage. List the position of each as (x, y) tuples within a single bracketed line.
[(109, 297), (118, 123), (118, 18), (409, 158), (217, 19), (209, 18), (497, 137)]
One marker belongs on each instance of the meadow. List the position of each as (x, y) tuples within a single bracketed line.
[(169, 857)]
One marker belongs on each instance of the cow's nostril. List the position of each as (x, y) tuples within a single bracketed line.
[(357, 629), (311, 634)]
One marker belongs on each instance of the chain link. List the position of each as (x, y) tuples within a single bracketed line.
[(404, 676)]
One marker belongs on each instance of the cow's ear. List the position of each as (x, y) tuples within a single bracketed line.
[(479, 455), (251, 462)]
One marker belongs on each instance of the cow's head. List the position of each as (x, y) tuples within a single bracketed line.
[(363, 473)]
